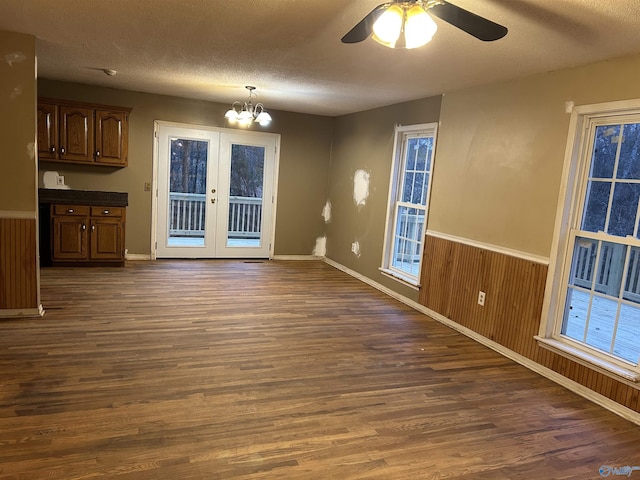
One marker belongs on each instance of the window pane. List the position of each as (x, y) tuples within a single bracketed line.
[(407, 192), (597, 203), (632, 283), (611, 265), (583, 263), (627, 345), (575, 316), (423, 200), (412, 153), (601, 322), (407, 243), (629, 162), (604, 151), (427, 145), (624, 207), (419, 187)]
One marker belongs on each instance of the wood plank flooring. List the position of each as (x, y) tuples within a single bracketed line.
[(274, 370)]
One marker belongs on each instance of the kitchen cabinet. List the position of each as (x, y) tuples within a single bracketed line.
[(90, 134), (87, 234), (81, 227)]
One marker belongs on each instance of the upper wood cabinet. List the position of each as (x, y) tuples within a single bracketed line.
[(82, 133)]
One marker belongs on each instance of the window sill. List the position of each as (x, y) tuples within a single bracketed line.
[(587, 359), (409, 282)]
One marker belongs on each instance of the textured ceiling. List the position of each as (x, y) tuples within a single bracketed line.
[(291, 50)]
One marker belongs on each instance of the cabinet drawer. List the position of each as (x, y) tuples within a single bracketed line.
[(82, 210), (106, 211)]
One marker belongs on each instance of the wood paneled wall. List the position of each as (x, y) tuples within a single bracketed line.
[(453, 274), (18, 264)]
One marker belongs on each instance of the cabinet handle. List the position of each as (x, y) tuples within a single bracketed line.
[(97, 153), (62, 150), (70, 210), (105, 212), (52, 149), (84, 227), (93, 228)]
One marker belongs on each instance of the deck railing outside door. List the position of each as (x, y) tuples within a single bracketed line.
[(187, 216)]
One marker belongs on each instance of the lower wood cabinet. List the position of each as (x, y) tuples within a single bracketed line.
[(87, 234)]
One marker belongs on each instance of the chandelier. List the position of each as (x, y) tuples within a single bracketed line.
[(245, 113)]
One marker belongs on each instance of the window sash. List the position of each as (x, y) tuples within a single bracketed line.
[(581, 198), (402, 254)]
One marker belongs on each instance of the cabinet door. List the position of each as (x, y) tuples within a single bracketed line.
[(76, 134), (106, 239), (111, 138), (47, 131), (69, 238)]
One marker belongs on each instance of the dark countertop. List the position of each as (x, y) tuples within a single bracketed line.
[(82, 197)]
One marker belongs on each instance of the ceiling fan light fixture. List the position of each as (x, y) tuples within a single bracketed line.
[(419, 27), (404, 25), (387, 29)]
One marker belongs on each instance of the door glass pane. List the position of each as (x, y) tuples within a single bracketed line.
[(187, 192), (245, 196)]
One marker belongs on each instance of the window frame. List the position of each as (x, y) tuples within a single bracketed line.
[(571, 205), (402, 134)]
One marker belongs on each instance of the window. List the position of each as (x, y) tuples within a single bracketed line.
[(408, 201), (597, 312)]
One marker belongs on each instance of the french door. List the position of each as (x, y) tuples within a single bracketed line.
[(216, 192)]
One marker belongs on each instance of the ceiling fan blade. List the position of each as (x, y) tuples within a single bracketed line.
[(473, 24), (364, 27)]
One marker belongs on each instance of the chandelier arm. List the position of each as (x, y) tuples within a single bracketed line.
[(247, 112), (236, 106)]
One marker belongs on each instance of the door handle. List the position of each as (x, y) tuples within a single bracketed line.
[(213, 190), (213, 200)]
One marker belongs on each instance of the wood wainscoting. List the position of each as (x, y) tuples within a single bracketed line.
[(18, 267), (454, 273)]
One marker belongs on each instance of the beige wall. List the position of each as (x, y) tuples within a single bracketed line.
[(364, 141), (304, 160), (17, 122), (499, 159), (501, 149)]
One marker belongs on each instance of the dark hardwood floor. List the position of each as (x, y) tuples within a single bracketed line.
[(274, 370)]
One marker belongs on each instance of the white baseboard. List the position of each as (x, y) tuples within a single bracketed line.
[(22, 312), (565, 382), (137, 256), (297, 257)]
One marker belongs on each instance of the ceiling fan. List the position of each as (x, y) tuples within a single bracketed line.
[(406, 24)]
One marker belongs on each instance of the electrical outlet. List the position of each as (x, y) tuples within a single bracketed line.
[(481, 298), (60, 179), (147, 186)]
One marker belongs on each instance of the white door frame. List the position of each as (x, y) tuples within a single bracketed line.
[(154, 186)]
